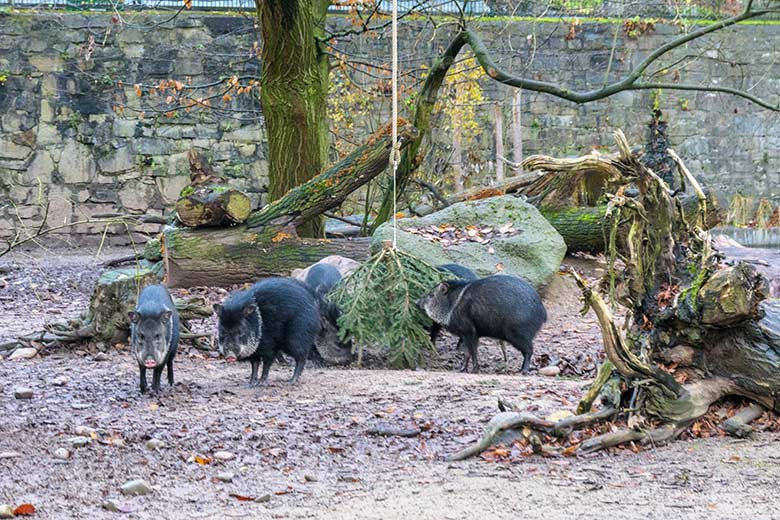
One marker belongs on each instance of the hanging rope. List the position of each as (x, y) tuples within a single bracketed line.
[(396, 153)]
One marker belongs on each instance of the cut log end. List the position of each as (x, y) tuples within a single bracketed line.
[(212, 205)]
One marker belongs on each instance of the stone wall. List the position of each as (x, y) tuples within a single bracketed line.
[(64, 137)]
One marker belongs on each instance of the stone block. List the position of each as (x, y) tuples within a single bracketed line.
[(77, 164)]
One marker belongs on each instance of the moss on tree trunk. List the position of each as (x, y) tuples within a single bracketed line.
[(268, 243), (293, 95)]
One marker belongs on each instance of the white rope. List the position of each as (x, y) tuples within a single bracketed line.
[(396, 156)]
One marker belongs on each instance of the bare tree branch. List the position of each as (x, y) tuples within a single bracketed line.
[(629, 82)]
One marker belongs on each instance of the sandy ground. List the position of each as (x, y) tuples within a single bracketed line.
[(307, 451)]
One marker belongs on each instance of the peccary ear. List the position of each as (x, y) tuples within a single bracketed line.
[(166, 315), (217, 308), (133, 316), (250, 310), (444, 287)]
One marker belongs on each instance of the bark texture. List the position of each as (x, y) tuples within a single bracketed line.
[(293, 95)]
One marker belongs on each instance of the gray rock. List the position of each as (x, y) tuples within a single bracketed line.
[(6, 511), (24, 353), (224, 456), (550, 371), (111, 505), (263, 499), (60, 381), (534, 251), (155, 444), (226, 476), (61, 453), (84, 431), (79, 442), (136, 487), (23, 393), (100, 356)]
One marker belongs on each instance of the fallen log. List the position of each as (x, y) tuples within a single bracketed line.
[(583, 228), (212, 205), (267, 243)]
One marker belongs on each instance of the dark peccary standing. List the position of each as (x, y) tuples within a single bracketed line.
[(322, 279), (460, 273), (154, 332), (500, 307), (275, 315)]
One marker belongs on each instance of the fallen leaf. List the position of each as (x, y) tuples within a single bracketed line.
[(242, 498), (202, 460), (500, 266), (281, 235), (24, 510)]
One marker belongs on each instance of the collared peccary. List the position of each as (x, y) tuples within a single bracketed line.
[(275, 315), (322, 278), (457, 272), (501, 307), (154, 330)]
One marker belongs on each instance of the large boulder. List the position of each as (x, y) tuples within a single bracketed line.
[(495, 235)]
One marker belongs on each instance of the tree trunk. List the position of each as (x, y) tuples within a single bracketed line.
[(517, 127), (267, 244), (500, 158), (293, 95), (235, 255), (457, 157), (212, 205)]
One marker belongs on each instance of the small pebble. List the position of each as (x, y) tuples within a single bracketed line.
[(155, 444), (309, 478), (23, 393), (59, 381), (79, 442), (264, 498), (6, 511), (111, 505), (224, 456), (100, 356), (24, 353), (225, 476), (550, 371), (84, 431), (136, 487), (61, 453)]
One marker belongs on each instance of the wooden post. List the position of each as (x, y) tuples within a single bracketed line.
[(457, 148), (499, 144), (517, 130)]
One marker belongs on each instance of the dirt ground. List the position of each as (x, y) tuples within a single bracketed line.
[(308, 452)]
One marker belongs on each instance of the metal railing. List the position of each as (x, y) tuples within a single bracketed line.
[(551, 8)]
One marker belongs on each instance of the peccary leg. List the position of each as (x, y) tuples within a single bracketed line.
[(299, 364), (253, 376), (462, 346), (526, 346), (170, 372), (143, 380), (156, 374), (267, 361), (435, 331), (471, 343)]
